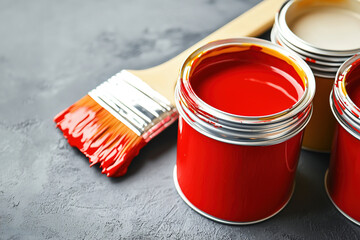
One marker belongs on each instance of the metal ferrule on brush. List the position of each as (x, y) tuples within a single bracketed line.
[(135, 104)]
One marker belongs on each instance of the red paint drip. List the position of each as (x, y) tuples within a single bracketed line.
[(337, 106), (99, 136), (310, 60), (260, 85), (355, 113)]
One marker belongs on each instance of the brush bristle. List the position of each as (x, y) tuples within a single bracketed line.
[(100, 136)]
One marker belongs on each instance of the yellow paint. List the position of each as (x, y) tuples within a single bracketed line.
[(243, 47)]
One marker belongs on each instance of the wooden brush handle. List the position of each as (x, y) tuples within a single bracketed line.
[(254, 22)]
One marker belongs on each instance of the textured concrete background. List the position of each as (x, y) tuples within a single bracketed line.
[(51, 54)]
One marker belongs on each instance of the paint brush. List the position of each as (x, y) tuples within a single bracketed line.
[(115, 120)]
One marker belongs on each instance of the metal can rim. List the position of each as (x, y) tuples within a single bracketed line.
[(318, 71), (344, 109), (244, 130), (324, 59)]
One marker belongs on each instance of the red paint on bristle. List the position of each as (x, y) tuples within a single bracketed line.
[(100, 136)]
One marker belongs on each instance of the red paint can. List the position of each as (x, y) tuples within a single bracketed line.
[(342, 180), (243, 105)]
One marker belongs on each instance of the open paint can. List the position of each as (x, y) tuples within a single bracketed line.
[(342, 180), (324, 34), (243, 105)]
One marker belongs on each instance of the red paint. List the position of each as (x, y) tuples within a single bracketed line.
[(248, 83), (343, 180), (99, 136), (310, 60), (240, 183), (338, 106)]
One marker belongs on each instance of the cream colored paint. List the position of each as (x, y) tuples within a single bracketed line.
[(331, 28)]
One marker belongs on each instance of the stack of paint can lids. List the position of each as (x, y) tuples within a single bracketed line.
[(323, 33)]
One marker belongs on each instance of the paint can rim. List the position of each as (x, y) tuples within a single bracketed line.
[(349, 115), (302, 44), (245, 130)]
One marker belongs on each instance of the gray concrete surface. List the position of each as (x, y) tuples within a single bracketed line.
[(51, 54)]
